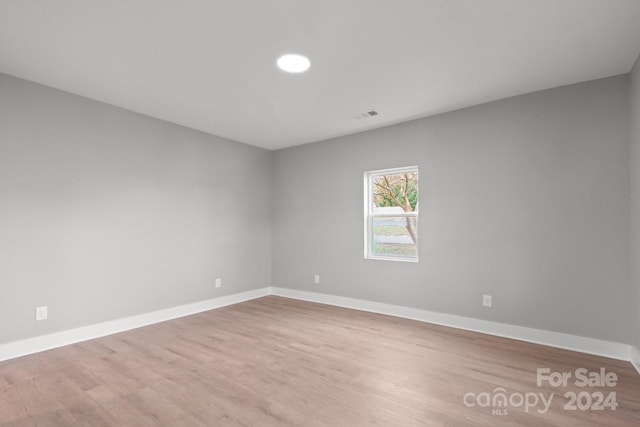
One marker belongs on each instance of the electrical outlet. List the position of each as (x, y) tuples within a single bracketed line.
[(218, 283), (486, 300), (42, 313), (316, 279)]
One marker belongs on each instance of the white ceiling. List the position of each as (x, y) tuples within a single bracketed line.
[(210, 65)]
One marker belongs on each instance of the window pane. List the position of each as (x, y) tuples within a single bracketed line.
[(394, 237), (399, 191)]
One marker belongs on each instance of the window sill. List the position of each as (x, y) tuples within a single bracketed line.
[(382, 258)]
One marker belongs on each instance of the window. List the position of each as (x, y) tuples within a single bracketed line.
[(391, 214)]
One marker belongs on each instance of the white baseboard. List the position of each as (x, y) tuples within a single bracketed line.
[(553, 339), (58, 339), (635, 358)]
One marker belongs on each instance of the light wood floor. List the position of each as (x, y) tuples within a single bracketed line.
[(275, 361)]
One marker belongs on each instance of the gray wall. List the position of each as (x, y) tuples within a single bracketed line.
[(526, 199), (635, 197), (105, 213)]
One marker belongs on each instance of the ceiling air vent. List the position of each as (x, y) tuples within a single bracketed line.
[(366, 115)]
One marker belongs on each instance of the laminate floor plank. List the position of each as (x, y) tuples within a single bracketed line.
[(280, 362)]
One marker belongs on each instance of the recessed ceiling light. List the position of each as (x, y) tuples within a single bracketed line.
[(293, 63)]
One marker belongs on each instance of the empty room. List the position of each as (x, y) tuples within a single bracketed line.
[(319, 213)]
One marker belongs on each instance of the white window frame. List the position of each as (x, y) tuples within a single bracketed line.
[(369, 214)]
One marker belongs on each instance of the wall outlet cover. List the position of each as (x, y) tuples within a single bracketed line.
[(42, 313), (487, 300)]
